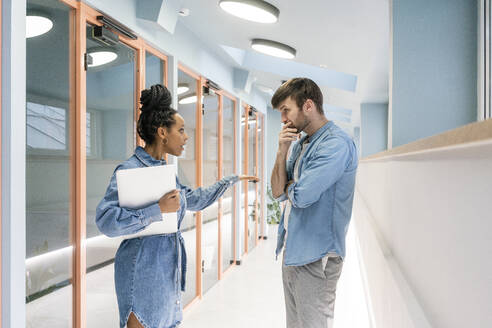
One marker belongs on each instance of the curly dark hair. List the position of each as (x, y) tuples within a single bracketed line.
[(156, 112)]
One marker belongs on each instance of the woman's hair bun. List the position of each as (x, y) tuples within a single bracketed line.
[(156, 112), (156, 97)]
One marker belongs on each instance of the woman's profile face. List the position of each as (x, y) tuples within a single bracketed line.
[(176, 137)]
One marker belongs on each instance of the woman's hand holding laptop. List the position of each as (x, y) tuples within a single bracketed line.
[(169, 203)]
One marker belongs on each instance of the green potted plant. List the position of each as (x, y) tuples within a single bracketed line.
[(273, 206)]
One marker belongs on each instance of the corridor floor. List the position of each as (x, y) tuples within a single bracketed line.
[(251, 295)]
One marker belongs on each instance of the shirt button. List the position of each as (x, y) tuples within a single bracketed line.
[(177, 302)]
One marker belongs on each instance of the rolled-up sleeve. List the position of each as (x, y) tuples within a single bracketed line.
[(113, 220), (281, 198), (324, 168), (200, 198)]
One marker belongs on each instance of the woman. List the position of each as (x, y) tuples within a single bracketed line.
[(150, 271)]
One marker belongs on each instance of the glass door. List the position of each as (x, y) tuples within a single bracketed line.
[(187, 174), (111, 89), (244, 185), (227, 223), (210, 228), (252, 187), (49, 135), (261, 192)]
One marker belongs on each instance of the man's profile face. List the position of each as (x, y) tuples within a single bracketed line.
[(290, 112)]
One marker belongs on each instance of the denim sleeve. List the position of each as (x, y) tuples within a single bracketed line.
[(113, 220), (200, 198), (321, 171)]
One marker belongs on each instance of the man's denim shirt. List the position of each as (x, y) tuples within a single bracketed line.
[(321, 198)]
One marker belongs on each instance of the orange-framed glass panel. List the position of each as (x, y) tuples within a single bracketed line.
[(227, 221), (87, 138), (65, 137), (187, 174), (155, 73), (153, 54), (252, 140), (110, 139), (210, 215), (244, 169), (50, 62), (155, 70), (261, 161)]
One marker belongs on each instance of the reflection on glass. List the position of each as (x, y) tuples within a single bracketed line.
[(252, 204), (187, 176), (227, 202), (48, 162), (154, 70), (210, 242), (110, 103)]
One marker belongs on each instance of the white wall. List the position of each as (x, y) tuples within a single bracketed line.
[(425, 231), (13, 162)]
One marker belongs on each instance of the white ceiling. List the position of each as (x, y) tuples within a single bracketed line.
[(349, 36)]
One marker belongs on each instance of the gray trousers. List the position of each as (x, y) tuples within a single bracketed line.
[(309, 292)]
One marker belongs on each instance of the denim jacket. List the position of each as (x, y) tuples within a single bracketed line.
[(321, 198), (113, 220)]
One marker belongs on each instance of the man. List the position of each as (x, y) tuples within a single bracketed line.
[(317, 180)]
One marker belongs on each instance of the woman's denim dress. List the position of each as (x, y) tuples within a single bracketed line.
[(150, 271)]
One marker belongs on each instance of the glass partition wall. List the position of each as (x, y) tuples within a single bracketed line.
[(252, 127), (110, 99), (188, 87), (244, 170), (49, 164), (260, 186), (227, 204), (80, 122), (210, 215), (251, 139)]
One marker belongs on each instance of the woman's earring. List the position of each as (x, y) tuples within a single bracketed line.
[(164, 141)]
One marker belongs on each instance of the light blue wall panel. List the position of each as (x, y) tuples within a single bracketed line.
[(434, 67), (374, 128)]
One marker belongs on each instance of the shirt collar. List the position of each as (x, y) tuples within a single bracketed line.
[(318, 133), (146, 159)]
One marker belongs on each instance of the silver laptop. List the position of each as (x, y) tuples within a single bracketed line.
[(141, 187)]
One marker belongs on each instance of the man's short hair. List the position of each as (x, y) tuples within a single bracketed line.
[(300, 89)]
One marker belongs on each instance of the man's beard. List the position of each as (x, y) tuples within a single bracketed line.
[(303, 124)]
